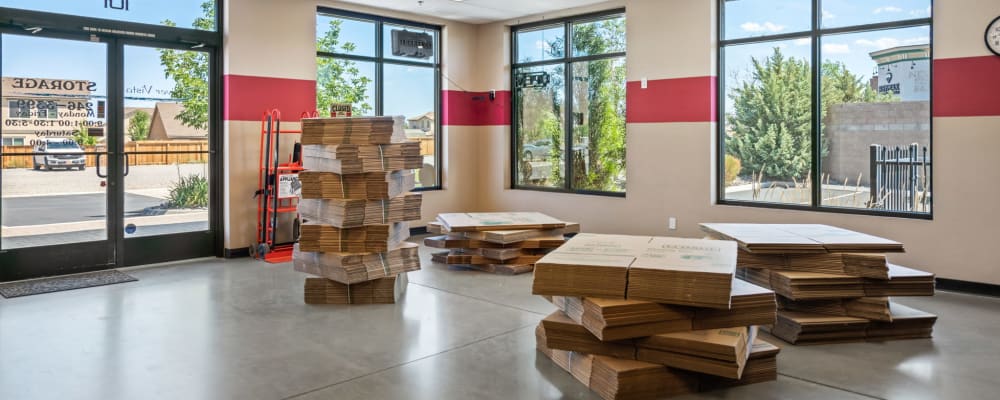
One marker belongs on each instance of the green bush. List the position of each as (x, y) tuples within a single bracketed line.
[(189, 192)]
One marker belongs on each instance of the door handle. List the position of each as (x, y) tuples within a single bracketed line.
[(97, 163), (126, 163)]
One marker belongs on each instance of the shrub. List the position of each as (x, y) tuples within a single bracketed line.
[(733, 168), (189, 192)]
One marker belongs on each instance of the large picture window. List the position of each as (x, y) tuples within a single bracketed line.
[(569, 105), (383, 66), (825, 105)]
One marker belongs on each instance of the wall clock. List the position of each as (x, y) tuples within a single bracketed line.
[(993, 36)]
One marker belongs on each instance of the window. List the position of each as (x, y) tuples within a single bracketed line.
[(383, 66), (569, 105), (13, 141), (825, 105), (18, 109), (196, 14)]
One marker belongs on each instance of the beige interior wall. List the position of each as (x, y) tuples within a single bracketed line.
[(671, 165), (276, 39)]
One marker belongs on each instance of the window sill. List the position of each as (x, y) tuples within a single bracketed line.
[(831, 210), (564, 191)]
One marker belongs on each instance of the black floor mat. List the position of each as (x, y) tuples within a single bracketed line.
[(61, 283)]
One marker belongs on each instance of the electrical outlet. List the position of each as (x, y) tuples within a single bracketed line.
[(672, 223), (645, 83)]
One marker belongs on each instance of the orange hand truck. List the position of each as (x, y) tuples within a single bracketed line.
[(278, 189)]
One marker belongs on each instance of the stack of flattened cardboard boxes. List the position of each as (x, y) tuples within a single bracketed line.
[(833, 285), (354, 206), (504, 242), (648, 317)]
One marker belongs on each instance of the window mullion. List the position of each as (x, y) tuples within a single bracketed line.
[(817, 106), (568, 104)]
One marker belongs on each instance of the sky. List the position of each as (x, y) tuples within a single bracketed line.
[(409, 91), (750, 18), (39, 57)]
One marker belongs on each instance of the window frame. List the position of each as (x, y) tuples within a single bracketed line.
[(380, 61), (815, 34), (567, 60)]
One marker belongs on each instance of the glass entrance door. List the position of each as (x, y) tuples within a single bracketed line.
[(108, 153), (53, 207), (167, 153)]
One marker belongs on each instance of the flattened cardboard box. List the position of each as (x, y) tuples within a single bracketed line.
[(349, 268), (342, 213), (800, 238), (669, 270), (474, 222), (610, 319), (379, 291), (721, 352), (691, 272), (614, 378)]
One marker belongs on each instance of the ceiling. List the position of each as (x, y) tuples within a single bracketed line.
[(476, 11)]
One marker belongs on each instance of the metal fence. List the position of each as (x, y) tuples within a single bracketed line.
[(900, 178)]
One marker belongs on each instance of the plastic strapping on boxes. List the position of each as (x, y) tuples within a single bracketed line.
[(381, 156), (385, 268), (343, 186), (385, 212)]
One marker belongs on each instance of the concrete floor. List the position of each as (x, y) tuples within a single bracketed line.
[(237, 329)]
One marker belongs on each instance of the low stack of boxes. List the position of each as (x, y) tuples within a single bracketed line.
[(354, 206), (649, 317), (833, 285), (503, 243)]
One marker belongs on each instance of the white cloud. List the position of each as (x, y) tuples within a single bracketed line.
[(803, 42), (887, 9), (836, 48), (888, 42), (765, 27), (921, 13), (828, 15)]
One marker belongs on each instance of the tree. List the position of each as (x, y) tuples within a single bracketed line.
[(599, 94), (339, 80), (770, 126), (189, 71), (138, 126)]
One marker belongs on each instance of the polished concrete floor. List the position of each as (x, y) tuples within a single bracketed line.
[(237, 329)]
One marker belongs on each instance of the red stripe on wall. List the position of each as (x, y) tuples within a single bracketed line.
[(475, 108), (246, 98), (967, 87), (672, 100)]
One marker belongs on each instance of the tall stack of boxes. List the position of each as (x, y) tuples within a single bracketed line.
[(354, 206), (648, 317), (833, 285)]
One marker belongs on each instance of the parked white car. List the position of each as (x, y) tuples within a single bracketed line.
[(59, 153)]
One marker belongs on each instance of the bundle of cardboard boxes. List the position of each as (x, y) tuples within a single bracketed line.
[(649, 317), (504, 243), (833, 285), (354, 206)]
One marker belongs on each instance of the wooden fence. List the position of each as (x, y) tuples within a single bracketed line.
[(12, 159)]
